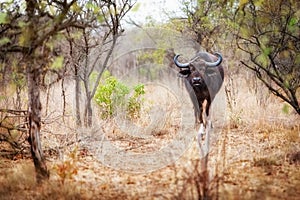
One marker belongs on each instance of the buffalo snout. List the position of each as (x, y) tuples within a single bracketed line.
[(197, 81)]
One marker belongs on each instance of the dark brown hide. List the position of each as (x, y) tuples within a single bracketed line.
[(202, 81)]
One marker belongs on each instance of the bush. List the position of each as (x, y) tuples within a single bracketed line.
[(112, 96), (135, 102)]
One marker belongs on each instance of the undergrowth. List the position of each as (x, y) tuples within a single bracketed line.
[(113, 96)]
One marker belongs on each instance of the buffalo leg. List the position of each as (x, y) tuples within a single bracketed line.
[(201, 131), (203, 118), (205, 106), (207, 109)]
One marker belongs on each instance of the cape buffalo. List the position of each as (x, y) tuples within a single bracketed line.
[(203, 76)]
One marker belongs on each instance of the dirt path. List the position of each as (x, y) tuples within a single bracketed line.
[(254, 157), (256, 163)]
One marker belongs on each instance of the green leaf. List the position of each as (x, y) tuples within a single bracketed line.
[(3, 18), (90, 5), (258, 3), (246, 32), (100, 18), (263, 59), (52, 10), (4, 41), (22, 24), (292, 25), (286, 83), (23, 39), (139, 89), (57, 63), (243, 3), (285, 109), (76, 8), (293, 21), (136, 7), (267, 51), (93, 7)]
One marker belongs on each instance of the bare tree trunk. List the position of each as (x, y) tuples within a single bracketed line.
[(77, 97), (34, 115), (89, 113), (88, 117), (18, 97), (75, 61)]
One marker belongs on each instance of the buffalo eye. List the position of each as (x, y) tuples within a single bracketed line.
[(184, 73)]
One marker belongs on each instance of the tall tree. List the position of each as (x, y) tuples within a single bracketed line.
[(206, 20), (269, 33), (28, 30)]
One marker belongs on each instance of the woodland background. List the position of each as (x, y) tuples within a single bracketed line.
[(62, 66)]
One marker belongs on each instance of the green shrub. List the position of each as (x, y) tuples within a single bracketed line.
[(112, 96), (135, 102)]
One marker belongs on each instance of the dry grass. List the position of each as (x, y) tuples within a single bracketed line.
[(257, 156)]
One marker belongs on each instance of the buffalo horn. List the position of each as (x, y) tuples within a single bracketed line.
[(180, 65), (214, 64)]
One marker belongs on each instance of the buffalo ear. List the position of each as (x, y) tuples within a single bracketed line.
[(184, 73)]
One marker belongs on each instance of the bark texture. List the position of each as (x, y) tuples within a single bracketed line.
[(34, 115)]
